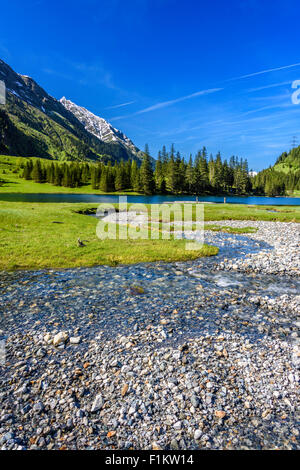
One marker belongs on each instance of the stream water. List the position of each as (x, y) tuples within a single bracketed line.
[(69, 297)]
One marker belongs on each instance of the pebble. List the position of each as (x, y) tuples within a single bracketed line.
[(97, 403), (60, 338), (75, 339), (197, 434)]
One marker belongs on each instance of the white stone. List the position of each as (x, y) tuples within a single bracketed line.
[(75, 339), (177, 425), (60, 338), (47, 338), (97, 403)]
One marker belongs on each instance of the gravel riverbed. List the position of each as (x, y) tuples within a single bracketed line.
[(195, 355)]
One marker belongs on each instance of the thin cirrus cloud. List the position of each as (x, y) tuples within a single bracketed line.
[(272, 85), (164, 104), (263, 72), (120, 105)]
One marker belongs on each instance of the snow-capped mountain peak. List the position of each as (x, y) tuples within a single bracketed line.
[(98, 126)]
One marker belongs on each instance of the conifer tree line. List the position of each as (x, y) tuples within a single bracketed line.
[(201, 174), (172, 174), (276, 182)]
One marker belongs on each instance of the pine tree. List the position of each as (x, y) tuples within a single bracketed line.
[(120, 177), (134, 176), (50, 176), (66, 181), (146, 173), (211, 170), (202, 171), (110, 178), (158, 175), (180, 173), (190, 176), (37, 172), (85, 174), (104, 184), (218, 173), (136, 186), (127, 174), (57, 175), (95, 178), (171, 175), (27, 170)]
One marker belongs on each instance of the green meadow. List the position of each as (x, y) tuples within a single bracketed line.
[(35, 236), (44, 235)]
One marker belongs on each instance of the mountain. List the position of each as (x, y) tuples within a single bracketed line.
[(282, 178), (99, 127), (33, 123), (288, 162)]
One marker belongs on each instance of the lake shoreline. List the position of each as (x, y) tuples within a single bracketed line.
[(154, 199)]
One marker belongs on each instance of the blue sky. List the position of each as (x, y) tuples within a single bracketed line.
[(193, 73)]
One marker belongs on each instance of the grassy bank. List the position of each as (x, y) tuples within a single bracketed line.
[(34, 236), (225, 229), (295, 193), (245, 212)]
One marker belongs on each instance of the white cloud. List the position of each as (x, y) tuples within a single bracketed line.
[(164, 104), (273, 85), (120, 105), (263, 72)]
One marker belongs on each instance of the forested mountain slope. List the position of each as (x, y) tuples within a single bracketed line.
[(33, 123), (281, 179)]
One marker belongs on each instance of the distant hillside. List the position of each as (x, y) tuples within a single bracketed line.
[(34, 124), (281, 179), (288, 162)]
